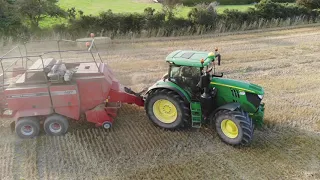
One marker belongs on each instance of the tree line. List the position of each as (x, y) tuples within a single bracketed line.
[(19, 19)]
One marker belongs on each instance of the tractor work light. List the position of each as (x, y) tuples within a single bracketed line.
[(211, 54)]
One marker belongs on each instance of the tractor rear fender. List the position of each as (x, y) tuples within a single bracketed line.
[(171, 86)]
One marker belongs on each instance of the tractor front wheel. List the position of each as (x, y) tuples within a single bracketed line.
[(234, 127), (167, 109), (27, 127), (56, 125)]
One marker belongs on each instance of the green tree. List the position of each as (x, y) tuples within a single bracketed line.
[(10, 22), (36, 10), (311, 4), (169, 6), (203, 14)]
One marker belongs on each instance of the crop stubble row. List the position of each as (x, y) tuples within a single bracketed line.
[(136, 149)]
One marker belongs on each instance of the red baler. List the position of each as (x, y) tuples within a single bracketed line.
[(57, 91)]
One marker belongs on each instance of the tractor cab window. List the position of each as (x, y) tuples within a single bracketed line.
[(185, 76), (174, 73)]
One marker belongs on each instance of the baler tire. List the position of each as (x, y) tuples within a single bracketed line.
[(33, 122), (60, 121), (244, 125), (182, 109), (107, 125)]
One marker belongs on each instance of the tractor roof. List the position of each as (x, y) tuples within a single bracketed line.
[(190, 58)]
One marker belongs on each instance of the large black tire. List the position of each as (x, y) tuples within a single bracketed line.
[(238, 131), (27, 127), (182, 109), (56, 125)]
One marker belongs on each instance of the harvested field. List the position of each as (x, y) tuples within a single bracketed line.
[(286, 63)]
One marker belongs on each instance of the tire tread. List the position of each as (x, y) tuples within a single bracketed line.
[(184, 106), (246, 124)]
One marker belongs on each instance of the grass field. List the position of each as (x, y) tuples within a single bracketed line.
[(94, 7), (284, 62)]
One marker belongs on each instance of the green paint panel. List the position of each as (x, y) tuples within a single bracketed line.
[(190, 58), (168, 84), (196, 114), (240, 85), (246, 94), (258, 116)]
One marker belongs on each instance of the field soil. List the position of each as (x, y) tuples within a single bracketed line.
[(286, 63)]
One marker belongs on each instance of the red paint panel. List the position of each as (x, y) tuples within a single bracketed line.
[(109, 79), (28, 98), (69, 111), (32, 112), (65, 100), (115, 86), (106, 86), (108, 74), (91, 93), (98, 116), (121, 96)]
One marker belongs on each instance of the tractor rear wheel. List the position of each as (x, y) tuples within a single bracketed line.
[(167, 109), (234, 127), (28, 127), (56, 125)]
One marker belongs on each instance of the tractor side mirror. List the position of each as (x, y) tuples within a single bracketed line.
[(219, 59), (217, 55)]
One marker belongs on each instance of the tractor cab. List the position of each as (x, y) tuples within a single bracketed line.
[(189, 68)]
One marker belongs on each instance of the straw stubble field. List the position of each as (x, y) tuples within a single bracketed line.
[(284, 62)]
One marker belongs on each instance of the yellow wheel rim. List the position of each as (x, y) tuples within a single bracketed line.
[(229, 128), (165, 111)]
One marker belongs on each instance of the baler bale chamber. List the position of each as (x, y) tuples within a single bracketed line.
[(55, 87)]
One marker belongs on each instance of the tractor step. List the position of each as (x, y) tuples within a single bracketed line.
[(196, 114)]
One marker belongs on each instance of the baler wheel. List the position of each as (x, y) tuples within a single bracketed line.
[(167, 109), (107, 125), (234, 127), (56, 125), (28, 127)]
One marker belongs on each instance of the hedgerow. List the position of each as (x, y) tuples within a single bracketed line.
[(201, 19)]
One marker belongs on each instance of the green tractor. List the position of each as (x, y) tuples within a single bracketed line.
[(191, 94)]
